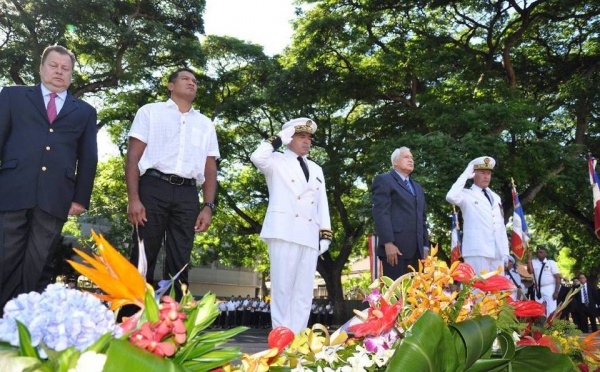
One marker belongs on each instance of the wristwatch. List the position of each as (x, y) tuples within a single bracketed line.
[(212, 206)]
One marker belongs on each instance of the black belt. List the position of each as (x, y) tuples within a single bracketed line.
[(173, 179)]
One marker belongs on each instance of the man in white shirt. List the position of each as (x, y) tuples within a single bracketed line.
[(297, 228), (485, 242), (172, 149), (546, 279)]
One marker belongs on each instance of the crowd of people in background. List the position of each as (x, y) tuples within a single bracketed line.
[(255, 312), (248, 312)]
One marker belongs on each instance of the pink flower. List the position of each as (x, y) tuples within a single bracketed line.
[(150, 337), (169, 313)]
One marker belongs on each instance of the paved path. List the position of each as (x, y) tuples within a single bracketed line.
[(251, 341)]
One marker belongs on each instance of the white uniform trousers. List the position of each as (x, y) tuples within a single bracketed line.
[(293, 268), (547, 294), (484, 263)]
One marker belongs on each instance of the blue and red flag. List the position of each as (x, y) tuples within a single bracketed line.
[(520, 234), (456, 251), (596, 193), (373, 259)]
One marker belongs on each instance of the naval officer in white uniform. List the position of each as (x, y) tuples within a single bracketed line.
[(485, 242), (297, 228)]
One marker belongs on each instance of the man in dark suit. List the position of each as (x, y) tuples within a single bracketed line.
[(586, 301), (48, 156), (399, 215)]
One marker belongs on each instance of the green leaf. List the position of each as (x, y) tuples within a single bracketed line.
[(101, 344), (507, 345), (488, 365), (477, 337), (25, 347), (429, 346), (10, 361), (150, 309), (213, 359), (123, 356), (540, 359)]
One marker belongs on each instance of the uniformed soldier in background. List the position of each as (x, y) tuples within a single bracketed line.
[(297, 228)]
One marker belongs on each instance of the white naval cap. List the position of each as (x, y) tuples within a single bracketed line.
[(303, 125), (483, 163)]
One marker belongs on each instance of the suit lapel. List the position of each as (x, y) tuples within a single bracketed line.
[(35, 96), (69, 105), (400, 182)]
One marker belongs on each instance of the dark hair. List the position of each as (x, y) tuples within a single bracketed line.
[(542, 248), (173, 76), (60, 50)]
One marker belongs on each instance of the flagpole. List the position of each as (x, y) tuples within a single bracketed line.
[(529, 249)]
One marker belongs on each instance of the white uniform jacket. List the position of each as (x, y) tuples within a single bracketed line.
[(297, 209), (484, 231)]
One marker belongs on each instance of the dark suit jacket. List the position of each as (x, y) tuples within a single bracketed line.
[(399, 216), (593, 297), (42, 164)]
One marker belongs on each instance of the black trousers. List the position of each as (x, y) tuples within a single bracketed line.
[(171, 211), (28, 240), (401, 268)]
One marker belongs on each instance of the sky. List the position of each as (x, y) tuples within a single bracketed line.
[(262, 22)]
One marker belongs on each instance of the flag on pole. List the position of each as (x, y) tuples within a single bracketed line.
[(373, 259), (456, 251), (596, 193), (520, 234)]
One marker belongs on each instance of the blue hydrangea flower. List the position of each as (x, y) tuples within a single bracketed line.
[(58, 318)]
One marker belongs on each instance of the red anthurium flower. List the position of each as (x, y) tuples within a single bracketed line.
[(150, 338), (495, 283), (463, 273), (280, 337), (379, 320), (527, 309), (547, 341)]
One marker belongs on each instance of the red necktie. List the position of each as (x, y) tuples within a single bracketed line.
[(51, 109)]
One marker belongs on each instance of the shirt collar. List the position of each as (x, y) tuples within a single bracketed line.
[(45, 92), (476, 188), (404, 178), (171, 103), (290, 153)]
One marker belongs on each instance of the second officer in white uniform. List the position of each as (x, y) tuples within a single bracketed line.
[(485, 243), (297, 228)]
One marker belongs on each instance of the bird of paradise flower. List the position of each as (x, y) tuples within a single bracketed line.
[(113, 274)]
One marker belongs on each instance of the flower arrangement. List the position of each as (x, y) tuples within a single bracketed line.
[(69, 330), (440, 318), (437, 318)]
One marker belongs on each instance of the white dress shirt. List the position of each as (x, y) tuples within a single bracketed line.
[(177, 143), (59, 100)]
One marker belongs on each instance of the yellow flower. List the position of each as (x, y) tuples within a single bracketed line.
[(114, 274), (258, 362)]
